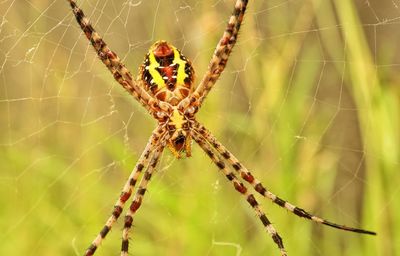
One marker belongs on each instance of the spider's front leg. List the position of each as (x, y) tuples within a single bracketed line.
[(113, 62), (220, 56)]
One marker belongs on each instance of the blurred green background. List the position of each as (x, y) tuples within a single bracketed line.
[(309, 102)]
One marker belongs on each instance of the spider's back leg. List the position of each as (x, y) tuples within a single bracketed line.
[(126, 192), (242, 189), (260, 188)]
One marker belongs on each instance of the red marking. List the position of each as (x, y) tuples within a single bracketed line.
[(168, 71), (239, 187), (162, 49), (111, 54), (184, 92), (135, 205), (225, 40), (125, 196), (161, 95), (247, 177)]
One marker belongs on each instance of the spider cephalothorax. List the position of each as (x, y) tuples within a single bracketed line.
[(165, 88), (178, 126)]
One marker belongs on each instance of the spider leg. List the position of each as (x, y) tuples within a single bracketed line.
[(242, 189), (126, 192), (221, 54), (112, 61), (138, 198), (248, 177)]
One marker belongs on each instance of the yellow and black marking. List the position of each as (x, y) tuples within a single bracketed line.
[(167, 73), (180, 140)]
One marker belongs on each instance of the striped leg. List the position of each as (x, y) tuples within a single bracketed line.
[(221, 54), (138, 198), (242, 190), (248, 177), (127, 190), (112, 61)]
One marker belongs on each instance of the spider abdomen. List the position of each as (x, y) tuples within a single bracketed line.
[(167, 73)]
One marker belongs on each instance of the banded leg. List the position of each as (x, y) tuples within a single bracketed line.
[(143, 161), (248, 177), (112, 61), (138, 198), (221, 53), (242, 190)]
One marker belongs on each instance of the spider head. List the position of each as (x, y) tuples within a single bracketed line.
[(166, 73), (178, 127)]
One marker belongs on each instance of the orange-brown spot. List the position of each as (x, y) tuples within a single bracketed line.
[(162, 95), (125, 196), (162, 49), (239, 187), (168, 71), (184, 92), (135, 205), (247, 177)]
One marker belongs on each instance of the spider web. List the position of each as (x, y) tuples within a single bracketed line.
[(309, 102)]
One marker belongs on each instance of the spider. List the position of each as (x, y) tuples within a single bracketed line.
[(165, 88)]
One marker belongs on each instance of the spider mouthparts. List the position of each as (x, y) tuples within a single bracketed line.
[(179, 142)]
